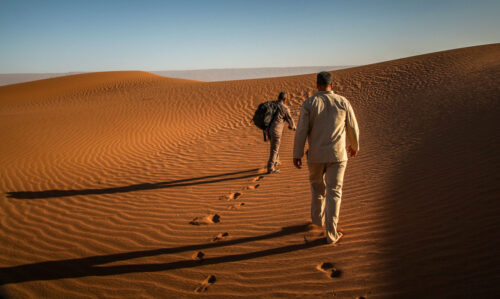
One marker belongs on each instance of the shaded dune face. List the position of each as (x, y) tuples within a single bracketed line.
[(131, 184)]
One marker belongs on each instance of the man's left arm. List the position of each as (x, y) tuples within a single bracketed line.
[(352, 131), (301, 136)]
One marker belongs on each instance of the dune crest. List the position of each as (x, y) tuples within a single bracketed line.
[(82, 85)]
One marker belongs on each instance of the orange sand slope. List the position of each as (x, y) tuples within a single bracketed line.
[(127, 184)]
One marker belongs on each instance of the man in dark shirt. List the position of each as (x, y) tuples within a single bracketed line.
[(275, 131)]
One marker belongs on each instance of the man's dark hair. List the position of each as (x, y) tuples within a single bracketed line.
[(282, 96), (324, 79)]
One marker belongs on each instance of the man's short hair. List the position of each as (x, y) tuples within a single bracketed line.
[(324, 79), (282, 96)]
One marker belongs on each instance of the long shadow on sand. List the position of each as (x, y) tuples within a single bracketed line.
[(89, 266), (136, 187)]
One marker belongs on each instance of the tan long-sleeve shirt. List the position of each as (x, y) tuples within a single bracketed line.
[(325, 120), (282, 114)]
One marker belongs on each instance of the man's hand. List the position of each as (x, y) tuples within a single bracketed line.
[(297, 162), (292, 128), (351, 151)]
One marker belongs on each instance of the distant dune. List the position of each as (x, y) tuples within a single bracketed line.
[(6, 79), (211, 75), (208, 75), (130, 184)]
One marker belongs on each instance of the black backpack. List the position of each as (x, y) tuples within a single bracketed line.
[(264, 114)]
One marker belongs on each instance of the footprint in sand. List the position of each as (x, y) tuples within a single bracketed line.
[(253, 187), (198, 256), (209, 219), (258, 178), (328, 268), (232, 196), (220, 237), (210, 280), (236, 206), (236, 195)]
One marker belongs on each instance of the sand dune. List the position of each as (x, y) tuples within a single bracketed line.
[(128, 184), (14, 78), (208, 75), (211, 75)]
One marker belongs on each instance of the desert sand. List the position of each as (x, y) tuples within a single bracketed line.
[(129, 184)]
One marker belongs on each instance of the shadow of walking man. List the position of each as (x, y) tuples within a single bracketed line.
[(137, 187), (89, 266)]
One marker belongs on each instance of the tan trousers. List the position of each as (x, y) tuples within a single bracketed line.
[(274, 133), (326, 181)]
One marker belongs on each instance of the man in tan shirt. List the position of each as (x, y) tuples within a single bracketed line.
[(275, 130), (326, 120)]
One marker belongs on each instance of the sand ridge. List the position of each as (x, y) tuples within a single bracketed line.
[(111, 183)]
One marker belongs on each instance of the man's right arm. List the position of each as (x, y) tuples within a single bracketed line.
[(301, 133), (289, 118)]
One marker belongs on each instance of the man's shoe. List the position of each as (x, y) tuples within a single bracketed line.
[(336, 241), (271, 171)]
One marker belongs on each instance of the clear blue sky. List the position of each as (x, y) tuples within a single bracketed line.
[(63, 36)]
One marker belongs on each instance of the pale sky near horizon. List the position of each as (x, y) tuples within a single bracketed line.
[(73, 36)]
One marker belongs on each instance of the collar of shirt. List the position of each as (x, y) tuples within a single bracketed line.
[(326, 92)]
